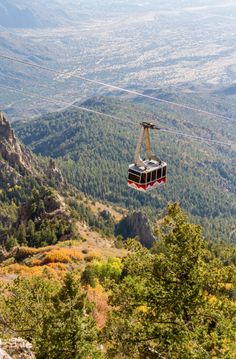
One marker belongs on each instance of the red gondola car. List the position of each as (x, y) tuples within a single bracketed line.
[(144, 175)]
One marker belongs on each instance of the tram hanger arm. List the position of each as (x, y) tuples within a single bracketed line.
[(146, 126)]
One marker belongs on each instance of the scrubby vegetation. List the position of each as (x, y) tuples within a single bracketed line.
[(176, 300)]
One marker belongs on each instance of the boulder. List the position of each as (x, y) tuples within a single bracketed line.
[(16, 348)]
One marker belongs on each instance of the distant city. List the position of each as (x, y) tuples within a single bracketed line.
[(134, 45)]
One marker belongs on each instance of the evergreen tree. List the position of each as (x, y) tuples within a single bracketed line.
[(26, 305), (69, 332), (169, 304), (21, 235), (31, 233), (11, 242), (41, 208)]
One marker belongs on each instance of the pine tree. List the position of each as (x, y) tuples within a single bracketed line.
[(31, 233), (11, 242), (21, 235), (69, 332), (169, 304)]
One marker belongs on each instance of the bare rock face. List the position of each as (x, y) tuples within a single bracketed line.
[(15, 160), (12, 152), (54, 174), (136, 225), (16, 348)]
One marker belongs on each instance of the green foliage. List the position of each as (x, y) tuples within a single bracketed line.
[(8, 216), (100, 270), (69, 332), (169, 304), (39, 228), (19, 193), (175, 301), (30, 217), (11, 242), (21, 235), (26, 304), (56, 319)]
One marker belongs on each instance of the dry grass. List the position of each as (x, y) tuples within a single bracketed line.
[(91, 256)]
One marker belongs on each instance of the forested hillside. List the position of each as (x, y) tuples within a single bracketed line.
[(94, 154), (74, 284)]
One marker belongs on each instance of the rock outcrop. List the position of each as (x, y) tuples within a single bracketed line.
[(16, 348), (136, 225), (54, 174), (11, 150), (16, 161)]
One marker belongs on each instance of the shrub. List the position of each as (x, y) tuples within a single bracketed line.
[(35, 262), (62, 255), (60, 266), (57, 255), (24, 252)]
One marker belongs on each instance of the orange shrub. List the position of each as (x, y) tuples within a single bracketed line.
[(22, 270), (55, 256), (35, 262), (61, 255), (61, 266)]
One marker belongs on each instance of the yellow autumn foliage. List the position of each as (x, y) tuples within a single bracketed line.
[(226, 286), (142, 309), (212, 299)]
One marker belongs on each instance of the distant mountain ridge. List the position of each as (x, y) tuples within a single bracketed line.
[(11, 16)]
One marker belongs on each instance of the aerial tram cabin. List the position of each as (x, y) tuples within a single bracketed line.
[(144, 175)]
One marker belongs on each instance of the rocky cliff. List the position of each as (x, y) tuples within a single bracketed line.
[(136, 225), (15, 159), (11, 149)]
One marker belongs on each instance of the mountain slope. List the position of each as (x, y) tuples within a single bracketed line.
[(94, 154), (38, 207)]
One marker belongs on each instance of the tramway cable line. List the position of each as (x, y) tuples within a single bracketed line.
[(143, 174), (118, 88), (155, 117), (67, 104)]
